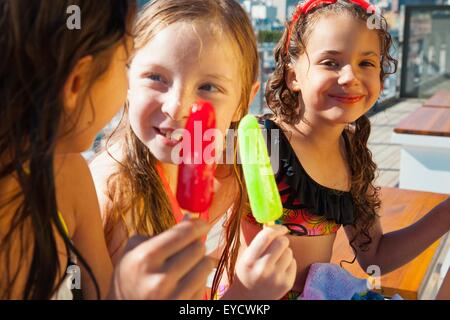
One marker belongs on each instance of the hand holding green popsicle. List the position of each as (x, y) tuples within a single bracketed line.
[(262, 189)]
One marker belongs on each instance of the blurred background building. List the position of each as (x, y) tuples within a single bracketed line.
[(420, 30)]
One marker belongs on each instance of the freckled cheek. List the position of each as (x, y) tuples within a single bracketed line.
[(134, 118), (142, 114)]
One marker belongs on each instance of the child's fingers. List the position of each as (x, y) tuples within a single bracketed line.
[(263, 240), (291, 271), (182, 262), (168, 243), (285, 259), (275, 251), (195, 280)]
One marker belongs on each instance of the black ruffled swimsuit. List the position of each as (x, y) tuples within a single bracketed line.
[(309, 209)]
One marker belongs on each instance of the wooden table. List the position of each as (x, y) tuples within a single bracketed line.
[(425, 156), (426, 121), (440, 99), (400, 208)]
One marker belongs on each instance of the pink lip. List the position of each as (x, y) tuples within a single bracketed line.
[(162, 133), (346, 98)]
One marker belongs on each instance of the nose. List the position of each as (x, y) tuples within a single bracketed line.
[(347, 76), (177, 104)]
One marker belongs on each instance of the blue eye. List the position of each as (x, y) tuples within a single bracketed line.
[(330, 63), (155, 77), (209, 87)]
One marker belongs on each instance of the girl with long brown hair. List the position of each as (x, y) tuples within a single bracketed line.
[(330, 66), (52, 81), (187, 50), (61, 82)]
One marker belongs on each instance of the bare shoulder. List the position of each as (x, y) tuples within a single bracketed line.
[(80, 210), (72, 181), (72, 174), (77, 186), (70, 165)]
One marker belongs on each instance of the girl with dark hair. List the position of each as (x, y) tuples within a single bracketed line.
[(58, 88), (55, 96)]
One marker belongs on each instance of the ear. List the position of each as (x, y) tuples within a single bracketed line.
[(74, 83), (291, 80), (255, 88)]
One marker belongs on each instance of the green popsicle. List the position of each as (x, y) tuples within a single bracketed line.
[(262, 189)]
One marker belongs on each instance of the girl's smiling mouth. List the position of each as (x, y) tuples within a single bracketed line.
[(349, 99), (168, 135)]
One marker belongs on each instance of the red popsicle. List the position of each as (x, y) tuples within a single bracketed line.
[(195, 188)]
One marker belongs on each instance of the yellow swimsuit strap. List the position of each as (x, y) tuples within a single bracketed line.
[(63, 223)]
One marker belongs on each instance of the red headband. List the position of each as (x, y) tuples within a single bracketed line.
[(306, 7)]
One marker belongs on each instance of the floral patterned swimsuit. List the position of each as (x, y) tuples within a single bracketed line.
[(309, 209)]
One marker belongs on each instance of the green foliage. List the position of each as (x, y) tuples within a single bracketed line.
[(269, 36)]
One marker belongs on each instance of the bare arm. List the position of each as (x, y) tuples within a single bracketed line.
[(171, 265), (394, 249), (88, 235), (116, 232)]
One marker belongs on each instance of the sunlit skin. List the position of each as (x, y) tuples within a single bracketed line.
[(337, 81), (104, 99), (75, 191), (106, 96), (183, 63)]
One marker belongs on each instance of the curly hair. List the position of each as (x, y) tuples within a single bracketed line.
[(286, 106)]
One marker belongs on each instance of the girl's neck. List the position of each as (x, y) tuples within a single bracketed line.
[(319, 135)]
